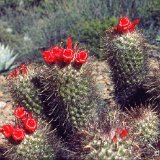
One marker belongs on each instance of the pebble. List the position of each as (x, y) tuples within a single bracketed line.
[(2, 104), (1, 94)]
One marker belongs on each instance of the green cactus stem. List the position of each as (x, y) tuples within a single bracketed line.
[(127, 58), (23, 90)]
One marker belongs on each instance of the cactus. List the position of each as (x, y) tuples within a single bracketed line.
[(145, 124), (7, 58), (38, 145), (23, 90), (103, 147), (127, 59), (67, 94)]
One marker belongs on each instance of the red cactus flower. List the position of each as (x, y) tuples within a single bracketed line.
[(119, 130), (124, 25), (114, 139), (18, 134), (23, 68), (81, 57), (12, 74), (20, 112), (48, 56), (6, 130), (30, 124), (68, 55), (17, 71), (57, 52), (124, 133)]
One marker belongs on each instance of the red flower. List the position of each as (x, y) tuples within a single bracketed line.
[(124, 133), (81, 57), (7, 130), (17, 71), (48, 56), (119, 130), (12, 74), (30, 124), (68, 55), (124, 25), (57, 52), (20, 112), (114, 139), (23, 68), (18, 134)]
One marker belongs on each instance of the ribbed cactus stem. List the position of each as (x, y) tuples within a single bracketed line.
[(128, 62), (67, 94), (23, 90)]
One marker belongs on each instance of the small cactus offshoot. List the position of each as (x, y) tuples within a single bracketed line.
[(119, 147), (22, 87), (145, 123)]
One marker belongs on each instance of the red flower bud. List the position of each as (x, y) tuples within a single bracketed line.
[(114, 139), (48, 56), (68, 55), (23, 68), (7, 130), (20, 112), (12, 74), (17, 72), (18, 134), (30, 124), (124, 133), (69, 43), (81, 57), (119, 130)]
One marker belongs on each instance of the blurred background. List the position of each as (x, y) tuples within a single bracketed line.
[(27, 27)]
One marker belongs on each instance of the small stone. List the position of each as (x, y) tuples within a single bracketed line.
[(2, 104), (1, 94)]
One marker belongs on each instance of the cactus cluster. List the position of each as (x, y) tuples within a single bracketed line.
[(90, 105)]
